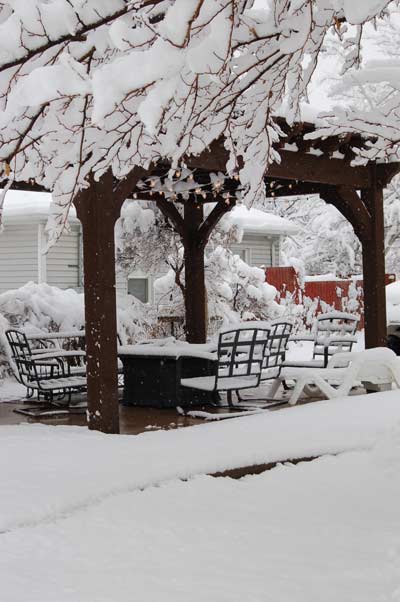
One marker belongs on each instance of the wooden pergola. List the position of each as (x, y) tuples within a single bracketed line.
[(308, 166)]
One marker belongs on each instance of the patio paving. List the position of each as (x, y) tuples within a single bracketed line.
[(133, 420)]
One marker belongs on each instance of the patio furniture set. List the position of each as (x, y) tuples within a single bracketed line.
[(167, 373)]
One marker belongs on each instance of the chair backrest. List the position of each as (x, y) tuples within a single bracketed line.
[(331, 326), (277, 343), (20, 354), (241, 354)]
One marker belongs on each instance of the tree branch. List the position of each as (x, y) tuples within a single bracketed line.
[(79, 34), (206, 228), (124, 188), (171, 212)]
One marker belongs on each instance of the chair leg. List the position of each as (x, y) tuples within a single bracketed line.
[(229, 396), (300, 384), (274, 387)]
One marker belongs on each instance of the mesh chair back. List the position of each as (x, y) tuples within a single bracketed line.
[(241, 354), (276, 346)]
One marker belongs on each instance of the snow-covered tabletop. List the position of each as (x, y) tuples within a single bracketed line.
[(70, 334), (170, 350)]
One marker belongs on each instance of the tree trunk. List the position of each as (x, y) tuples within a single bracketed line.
[(98, 213), (374, 272)]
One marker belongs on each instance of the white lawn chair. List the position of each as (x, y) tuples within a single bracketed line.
[(333, 332), (379, 366)]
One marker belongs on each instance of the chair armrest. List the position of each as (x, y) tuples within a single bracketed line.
[(341, 359), (349, 339)]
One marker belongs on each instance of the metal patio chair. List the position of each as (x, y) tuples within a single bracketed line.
[(45, 372), (240, 357), (275, 353)]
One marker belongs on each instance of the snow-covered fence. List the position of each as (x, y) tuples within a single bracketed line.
[(318, 294)]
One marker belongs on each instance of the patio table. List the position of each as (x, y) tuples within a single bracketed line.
[(152, 374)]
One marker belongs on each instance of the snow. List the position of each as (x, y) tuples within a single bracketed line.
[(86, 516), (393, 302), (259, 222), (11, 390), (72, 466), (21, 205), (173, 350)]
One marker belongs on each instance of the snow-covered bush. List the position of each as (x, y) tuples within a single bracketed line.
[(37, 308), (235, 290), (393, 302)]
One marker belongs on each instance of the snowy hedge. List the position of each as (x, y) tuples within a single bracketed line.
[(43, 308)]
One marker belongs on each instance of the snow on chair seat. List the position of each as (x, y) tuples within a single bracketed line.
[(208, 383), (56, 384), (379, 366)]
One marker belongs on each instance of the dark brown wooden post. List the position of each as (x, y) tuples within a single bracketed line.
[(373, 250), (98, 212), (195, 232), (195, 290)]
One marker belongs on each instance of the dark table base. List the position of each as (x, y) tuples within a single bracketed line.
[(152, 381)]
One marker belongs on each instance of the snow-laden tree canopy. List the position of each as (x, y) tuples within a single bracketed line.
[(92, 85)]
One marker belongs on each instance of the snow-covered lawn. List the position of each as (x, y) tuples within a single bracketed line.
[(87, 517)]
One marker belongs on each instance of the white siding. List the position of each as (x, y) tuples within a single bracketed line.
[(18, 256), (259, 249), (121, 282), (63, 261)]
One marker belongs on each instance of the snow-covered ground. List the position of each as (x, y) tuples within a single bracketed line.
[(87, 517)]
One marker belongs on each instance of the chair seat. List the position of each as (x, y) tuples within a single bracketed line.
[(53, 384), (228, 383), (328, 374), (269, 373)]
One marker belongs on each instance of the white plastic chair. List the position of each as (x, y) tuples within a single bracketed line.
[(333, 332), (379, 366)]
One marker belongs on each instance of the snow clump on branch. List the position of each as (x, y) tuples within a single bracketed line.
[(86, 87)]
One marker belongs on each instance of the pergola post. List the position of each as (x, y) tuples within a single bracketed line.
[(195, 232), (98, 212), (195, 292), (373, 251)]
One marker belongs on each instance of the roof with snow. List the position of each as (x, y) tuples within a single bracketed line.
[(260, 222), (22, 206)]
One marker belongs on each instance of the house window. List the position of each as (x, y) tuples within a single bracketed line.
[(139, 288)]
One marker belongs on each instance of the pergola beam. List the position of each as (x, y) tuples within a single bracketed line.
[(305, 167)]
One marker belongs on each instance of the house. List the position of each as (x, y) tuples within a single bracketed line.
[(23, 241)]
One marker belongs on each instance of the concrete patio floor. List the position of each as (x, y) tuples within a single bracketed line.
[(133, 420)]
